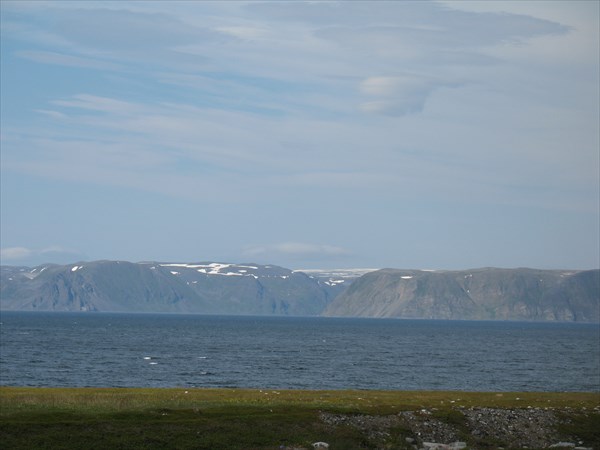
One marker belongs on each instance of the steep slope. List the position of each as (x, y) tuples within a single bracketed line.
[(207, 288), (505, 294), (98, 286), (335, 280), (253, 288)]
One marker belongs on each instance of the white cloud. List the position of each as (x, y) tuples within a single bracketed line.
[(14, 253), (33, 256), (97, 103), (55, 249), (245, 32), (297, 249), (399, 95), (62, 59), (52, 114)]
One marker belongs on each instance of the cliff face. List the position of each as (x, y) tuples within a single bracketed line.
[(205, 288), (484, 294)]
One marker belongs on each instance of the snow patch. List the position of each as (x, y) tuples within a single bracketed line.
[(336, 273), (406, 277), (216, 268), (34, 272), (76, 268)]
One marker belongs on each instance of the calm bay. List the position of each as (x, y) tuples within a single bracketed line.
[(170, 350)]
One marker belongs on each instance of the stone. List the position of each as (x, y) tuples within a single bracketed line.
[(320, 445), (563, 445), (435, 446)]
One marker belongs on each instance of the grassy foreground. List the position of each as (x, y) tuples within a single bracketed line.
[(101, 418)]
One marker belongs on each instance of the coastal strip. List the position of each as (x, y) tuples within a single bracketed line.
[(295, 419)]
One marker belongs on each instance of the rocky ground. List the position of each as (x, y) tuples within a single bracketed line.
[(489, 428)]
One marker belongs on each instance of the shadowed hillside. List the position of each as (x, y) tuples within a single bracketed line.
[(206, 288), (504, 294)]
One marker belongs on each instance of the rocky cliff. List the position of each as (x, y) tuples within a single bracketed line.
[(206, 288), (486, 294)]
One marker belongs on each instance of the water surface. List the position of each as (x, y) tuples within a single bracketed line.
[(164, 350)]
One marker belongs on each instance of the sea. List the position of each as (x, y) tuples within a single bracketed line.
[(200, 351)]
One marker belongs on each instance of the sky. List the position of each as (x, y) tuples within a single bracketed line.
[(414, 134)]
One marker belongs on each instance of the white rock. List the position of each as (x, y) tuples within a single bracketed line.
[(458, 445), (320, 445), (562, 445)]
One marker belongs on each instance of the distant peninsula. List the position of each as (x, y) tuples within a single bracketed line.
[(248, 288)]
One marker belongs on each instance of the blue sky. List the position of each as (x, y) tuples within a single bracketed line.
[(441, 135)]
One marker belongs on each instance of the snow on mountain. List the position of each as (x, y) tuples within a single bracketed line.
[(199, 287), (336, 277)]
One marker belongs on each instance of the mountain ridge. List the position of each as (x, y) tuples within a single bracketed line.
[(202, 287), (474, 294), (247, 288)]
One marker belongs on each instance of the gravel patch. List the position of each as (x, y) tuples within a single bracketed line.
[(534, 428)]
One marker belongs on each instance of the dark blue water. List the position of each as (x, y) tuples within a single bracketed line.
[(161, 350)]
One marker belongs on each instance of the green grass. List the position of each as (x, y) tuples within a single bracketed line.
[(94, 418)]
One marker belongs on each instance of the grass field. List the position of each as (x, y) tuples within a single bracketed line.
[(112, 418)]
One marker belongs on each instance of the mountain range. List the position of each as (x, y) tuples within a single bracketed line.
[(225, 288), (204, 287)]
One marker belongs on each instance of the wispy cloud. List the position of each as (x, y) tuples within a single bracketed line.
[(10, 254), (297, 250), (51, 113), (396, 108), (123, 30), (398, 95), (97, 103), (259, 65), (63, 59), (33, 256), (144, 146)]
